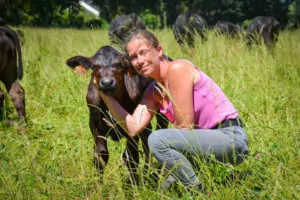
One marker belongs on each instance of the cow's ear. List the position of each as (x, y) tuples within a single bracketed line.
[(131, 78), (128, 67), (80, 64), (79, 60), (132, 87)]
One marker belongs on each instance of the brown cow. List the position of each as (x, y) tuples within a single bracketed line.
[(11, 70), (115, 78)]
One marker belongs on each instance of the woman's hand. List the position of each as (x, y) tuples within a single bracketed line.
[(136, 122)]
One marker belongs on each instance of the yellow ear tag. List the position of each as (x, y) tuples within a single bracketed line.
[(80, 70)]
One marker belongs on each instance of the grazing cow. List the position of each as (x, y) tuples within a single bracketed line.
[(11, 70), (187, 26), (114, 76), (265, 29), (122, 26), (228, 28)]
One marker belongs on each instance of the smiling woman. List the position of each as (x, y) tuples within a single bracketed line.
[(205, 121), (143, 57)]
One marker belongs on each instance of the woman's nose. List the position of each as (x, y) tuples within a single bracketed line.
[(140, 59)]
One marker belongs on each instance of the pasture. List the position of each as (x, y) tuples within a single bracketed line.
[(53, 159)]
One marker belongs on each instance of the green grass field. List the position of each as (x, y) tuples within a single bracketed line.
[(53, 159)]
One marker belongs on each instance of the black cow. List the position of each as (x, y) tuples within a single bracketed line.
[(122, 26), (114, 76), (228, 28), (265, 29), (187, 26), (11, 70)]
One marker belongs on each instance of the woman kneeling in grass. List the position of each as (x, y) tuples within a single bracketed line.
[(205, 121)]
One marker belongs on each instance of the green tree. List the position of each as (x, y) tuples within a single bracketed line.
[(68, 12), (37, 12), (297, 11), (2, 10), (112, 8), (276, 8), (15, 11)]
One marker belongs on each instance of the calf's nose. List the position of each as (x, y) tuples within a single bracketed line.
[(107, 82)]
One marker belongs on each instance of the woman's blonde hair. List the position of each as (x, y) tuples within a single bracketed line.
[(144, 35)]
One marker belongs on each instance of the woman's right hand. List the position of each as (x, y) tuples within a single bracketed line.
[(136, 122)]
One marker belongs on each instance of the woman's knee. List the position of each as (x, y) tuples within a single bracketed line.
[(155, 140)]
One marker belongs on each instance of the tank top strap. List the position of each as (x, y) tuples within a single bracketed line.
[(150, 91), (198, 84)]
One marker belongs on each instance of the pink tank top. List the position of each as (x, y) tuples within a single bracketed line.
[(211, 106)]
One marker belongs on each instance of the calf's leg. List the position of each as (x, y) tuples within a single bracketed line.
[(131, 159), (101, 153), (98, 128)]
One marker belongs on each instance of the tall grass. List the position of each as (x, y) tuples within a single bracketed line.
[(54, 158)]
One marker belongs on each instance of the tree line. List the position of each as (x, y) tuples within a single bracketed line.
[(155, 13)]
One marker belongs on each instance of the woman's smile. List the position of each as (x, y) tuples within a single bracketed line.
[(143, 68)]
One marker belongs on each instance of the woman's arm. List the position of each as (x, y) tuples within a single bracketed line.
[(141, 117), (181, 78)]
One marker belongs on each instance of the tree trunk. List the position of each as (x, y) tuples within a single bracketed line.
[(298, 12)]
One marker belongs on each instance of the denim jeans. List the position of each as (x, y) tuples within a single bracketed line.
[(175, 147)]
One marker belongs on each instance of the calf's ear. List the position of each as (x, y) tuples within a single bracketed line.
[(79, 60), (131, 79), (128, 67), (80, 64)]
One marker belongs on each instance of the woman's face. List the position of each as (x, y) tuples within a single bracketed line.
[(144, 58)]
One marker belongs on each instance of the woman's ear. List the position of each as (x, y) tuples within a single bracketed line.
[(160, 51)]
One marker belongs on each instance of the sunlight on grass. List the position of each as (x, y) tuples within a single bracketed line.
[(54, 158)]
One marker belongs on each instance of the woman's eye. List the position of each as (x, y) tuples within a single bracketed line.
[(144, 53), (132, 58)]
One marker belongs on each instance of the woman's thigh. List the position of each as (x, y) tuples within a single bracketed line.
[(226, 145)]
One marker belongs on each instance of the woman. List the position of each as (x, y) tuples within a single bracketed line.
[(205, 122)]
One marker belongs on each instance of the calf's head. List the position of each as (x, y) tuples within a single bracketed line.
[(112, 72), (111, 78)]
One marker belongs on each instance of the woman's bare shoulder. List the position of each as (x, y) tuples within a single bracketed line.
[(180, 64), (183, 68)]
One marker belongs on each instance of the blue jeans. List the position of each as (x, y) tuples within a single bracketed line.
[(174, 147)]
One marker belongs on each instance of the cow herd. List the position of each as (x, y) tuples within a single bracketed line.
[(189, 25), (263, 29), (114, 75)]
